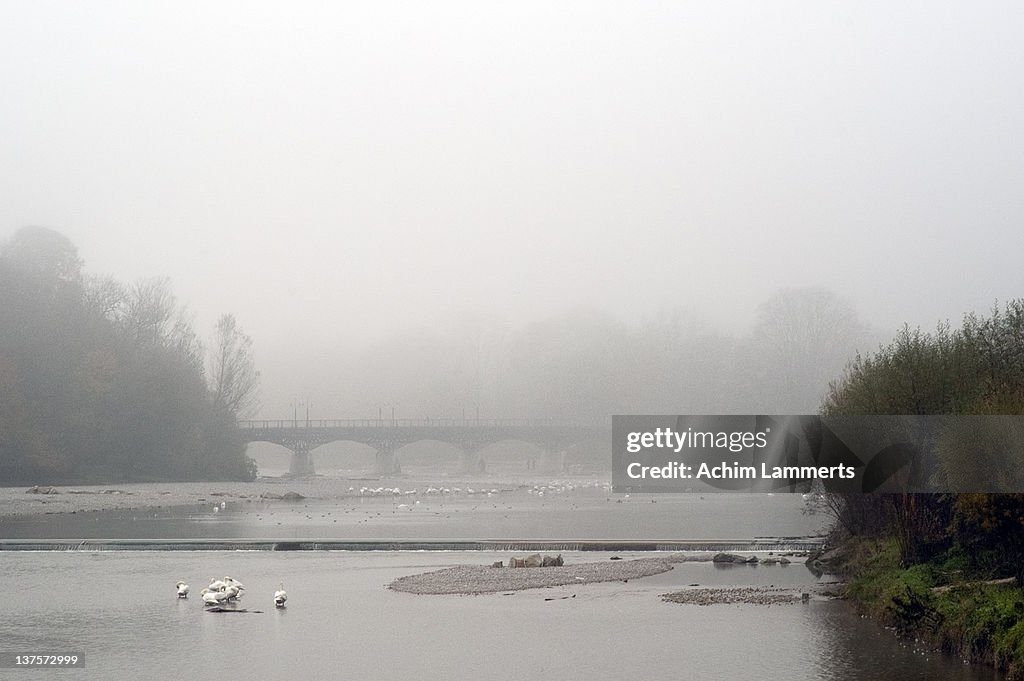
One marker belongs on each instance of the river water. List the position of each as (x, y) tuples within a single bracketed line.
[(551, 510), (120, 610)]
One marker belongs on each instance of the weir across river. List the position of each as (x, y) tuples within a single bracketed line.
[(388, 436)]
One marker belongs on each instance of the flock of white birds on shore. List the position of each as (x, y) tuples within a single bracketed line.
[(552, 487), (397, 491), (225, 594)]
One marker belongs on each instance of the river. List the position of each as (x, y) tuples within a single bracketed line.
[(429, 509), (119, 607)]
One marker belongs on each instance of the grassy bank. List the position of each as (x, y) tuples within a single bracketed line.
[(940, 603)]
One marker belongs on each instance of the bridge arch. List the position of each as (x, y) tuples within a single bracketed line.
[(272, 459), (387, 437), (348, 456), (430, 453)]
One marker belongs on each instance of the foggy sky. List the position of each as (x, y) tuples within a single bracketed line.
[(336, 174)]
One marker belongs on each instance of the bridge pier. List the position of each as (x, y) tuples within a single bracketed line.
[(302, 461), (473, 461), (552, 460), (387, 462)]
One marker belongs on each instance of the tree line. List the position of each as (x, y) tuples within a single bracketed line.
[(584, 365), (977, 368), (105, 381)]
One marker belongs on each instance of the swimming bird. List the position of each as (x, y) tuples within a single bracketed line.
[(182, 588), (280, 596)]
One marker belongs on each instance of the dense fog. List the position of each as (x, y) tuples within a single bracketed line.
[(559, 210)]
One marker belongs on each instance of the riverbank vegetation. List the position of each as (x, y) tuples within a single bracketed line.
[(946, 568), (942, 602), (103, 381)]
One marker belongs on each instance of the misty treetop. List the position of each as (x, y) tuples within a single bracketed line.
[(102, 381)]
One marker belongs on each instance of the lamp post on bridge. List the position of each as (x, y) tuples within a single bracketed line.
[(296, 403), (380, 413), (465, 420)]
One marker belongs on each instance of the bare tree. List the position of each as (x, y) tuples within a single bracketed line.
[(802, 339), (107, 297), (149, 312), (233, 376)]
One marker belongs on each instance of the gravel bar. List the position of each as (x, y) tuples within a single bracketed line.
[(731, 595), (475, 579)]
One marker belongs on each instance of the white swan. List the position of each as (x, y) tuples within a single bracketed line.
[(217, 584), (182, 588), (280, 596), (212, 597), (229, 595)]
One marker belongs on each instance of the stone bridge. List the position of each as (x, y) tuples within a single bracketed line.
[(387, 436)]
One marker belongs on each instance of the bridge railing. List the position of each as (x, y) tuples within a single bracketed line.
[(393, 423)]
